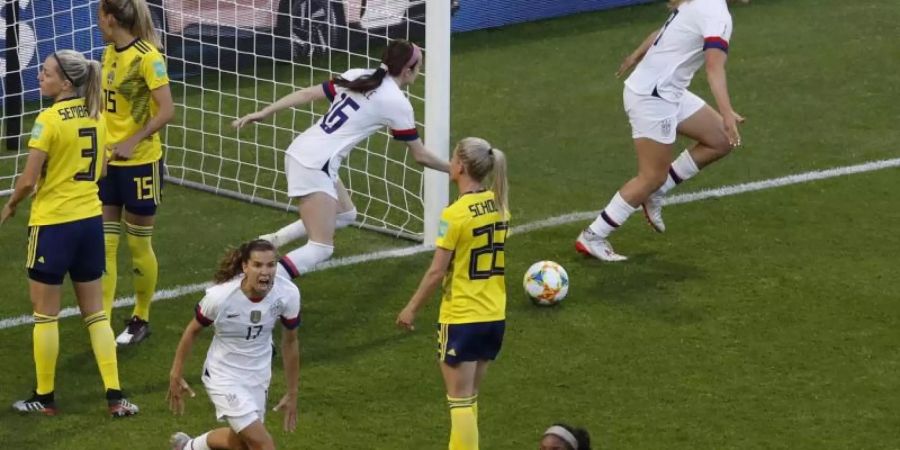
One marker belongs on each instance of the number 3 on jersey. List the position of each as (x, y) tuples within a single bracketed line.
[(336, 116)]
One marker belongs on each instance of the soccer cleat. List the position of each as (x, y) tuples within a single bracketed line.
[(43, 404), (588, 243), (179, 440), (122, 408), (136, 330), (653, 212)]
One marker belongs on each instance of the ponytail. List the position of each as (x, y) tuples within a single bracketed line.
[(482, 160), (499, 184), (232, 264), (364, 83), (85, 76), (134, 16), (399, 55), (93, 93)]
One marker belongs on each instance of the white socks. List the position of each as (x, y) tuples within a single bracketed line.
[(682, 169), (301, 260), (197, 443), (296, 230), (612, 217)]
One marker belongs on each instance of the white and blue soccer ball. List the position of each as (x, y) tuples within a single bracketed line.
[(546, 283)]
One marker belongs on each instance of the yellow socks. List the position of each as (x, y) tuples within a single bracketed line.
[(146, 268), (463, 423), (104, 344), (111, 231), (46, 350)]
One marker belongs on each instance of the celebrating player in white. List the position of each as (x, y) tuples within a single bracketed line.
[(244, 305), (659, 106), (362, 102)]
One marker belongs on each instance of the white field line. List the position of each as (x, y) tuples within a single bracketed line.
[(689, 197)]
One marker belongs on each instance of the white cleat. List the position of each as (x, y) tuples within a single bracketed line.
[(653, 212), (588, 243), (179, 440)]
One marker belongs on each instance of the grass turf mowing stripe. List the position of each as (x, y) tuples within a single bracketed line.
[(689, 197)]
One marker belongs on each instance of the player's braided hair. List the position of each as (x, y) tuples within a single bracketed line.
[(396, 57), (134, 16), (232, 264)]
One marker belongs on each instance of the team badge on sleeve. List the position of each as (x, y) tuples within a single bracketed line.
[(442, 228), (159, 68), (37, 130)]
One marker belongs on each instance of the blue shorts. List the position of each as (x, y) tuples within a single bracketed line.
[(75, 248), (478, 341), (136, 188)]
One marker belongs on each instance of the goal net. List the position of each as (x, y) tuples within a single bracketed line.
[(227, 58)]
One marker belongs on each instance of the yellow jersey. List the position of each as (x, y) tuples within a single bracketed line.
[(129, 74), (72, 141), (474, 288)]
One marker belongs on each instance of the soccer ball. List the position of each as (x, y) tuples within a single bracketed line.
[(546, 283)]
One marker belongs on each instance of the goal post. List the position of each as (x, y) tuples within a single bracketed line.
[(437, 112)]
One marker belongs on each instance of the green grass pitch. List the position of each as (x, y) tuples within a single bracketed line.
[(763, 320)]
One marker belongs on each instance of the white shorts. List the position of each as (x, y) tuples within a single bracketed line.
[(304, 181), (238, 405), (655, 118)]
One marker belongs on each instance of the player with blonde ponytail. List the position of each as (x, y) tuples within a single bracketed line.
[(66, 226), (138, 104), (470, 261)]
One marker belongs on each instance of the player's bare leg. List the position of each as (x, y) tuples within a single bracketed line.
[(318, 211), (346, 215), (653, 165), (706, 128)]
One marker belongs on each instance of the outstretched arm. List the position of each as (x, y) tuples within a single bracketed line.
[(301, 97), (427, 158)]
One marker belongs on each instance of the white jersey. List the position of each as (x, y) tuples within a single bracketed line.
[(241, 350), (677, 53), (352, 118)]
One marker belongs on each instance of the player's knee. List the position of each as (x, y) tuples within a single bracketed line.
[(718, 143), (653, 179), (263, 442)]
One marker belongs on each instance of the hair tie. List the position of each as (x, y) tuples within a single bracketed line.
[(61, 69), (563, 434), (383, 67)]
